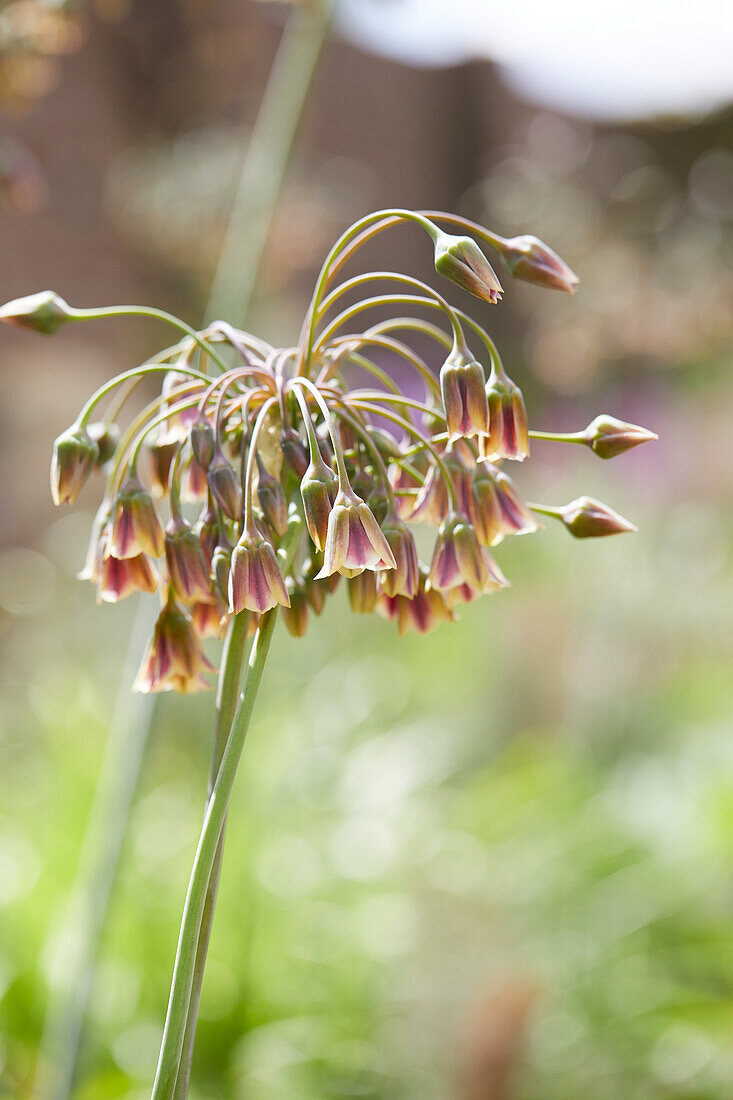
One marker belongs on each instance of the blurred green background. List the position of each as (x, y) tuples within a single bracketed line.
[(493, 863)]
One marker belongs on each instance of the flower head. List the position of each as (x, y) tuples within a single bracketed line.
[(120, 577)]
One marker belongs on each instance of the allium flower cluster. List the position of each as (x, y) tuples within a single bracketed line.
[(261, 476)]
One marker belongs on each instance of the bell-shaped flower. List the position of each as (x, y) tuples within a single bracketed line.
[(135, 527), (175, 660), (256, 582), (354, 540), (463, 389), (496, 509), (508, 430), (457, 555), (424, 611), (404, 578), (187, 565), (120, 577)]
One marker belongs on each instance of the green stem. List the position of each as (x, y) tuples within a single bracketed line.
[(216, 810), (158, 315), (232, 659)]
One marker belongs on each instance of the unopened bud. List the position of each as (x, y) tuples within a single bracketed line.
[(221, 561), (609, 437), (45, 312), (461, 260), (201, 436), (224, 485), (463, 388), (318, 490), (529, 259), (74, 457), (295, 460), (508, 430), (586, 518), (272, 500)]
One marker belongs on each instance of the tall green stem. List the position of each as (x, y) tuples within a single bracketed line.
[(232, 659), (203, 864)]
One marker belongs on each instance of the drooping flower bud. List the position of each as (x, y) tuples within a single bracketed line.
[(294, 459), (225, 487), (403, 579), (221, 562), (461, 260), (74, 457), (508, 430), (609, 437), (106, 435), (201, 437), (529, 259), (45, 312), (255, 581), (206, 530), (354, 540), (175, 660), (587, 518), (187, 566), (272, 500), (135, 527), (363, 592), (295, 616), (433, 501), (120, 577), (463, 389), (318, 490)]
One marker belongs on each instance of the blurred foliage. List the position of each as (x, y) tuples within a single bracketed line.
[(490, 862)]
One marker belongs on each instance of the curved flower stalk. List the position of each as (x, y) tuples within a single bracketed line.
[(259, 476)]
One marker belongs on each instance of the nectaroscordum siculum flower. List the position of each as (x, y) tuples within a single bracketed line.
[(259, 476)]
